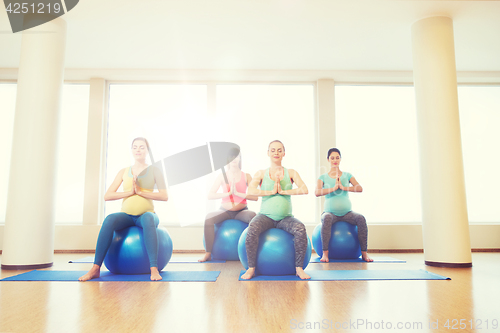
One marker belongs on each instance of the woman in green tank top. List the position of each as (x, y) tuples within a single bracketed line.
[(276, 209)]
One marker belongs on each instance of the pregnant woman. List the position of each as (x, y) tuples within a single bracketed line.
[(137, 208), (336, 186)]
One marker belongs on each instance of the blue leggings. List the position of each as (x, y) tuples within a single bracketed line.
[(117, 221)]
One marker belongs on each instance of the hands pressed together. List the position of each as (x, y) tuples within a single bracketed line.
[(278, 176), (338, 185), (136, 189), (232, 188)]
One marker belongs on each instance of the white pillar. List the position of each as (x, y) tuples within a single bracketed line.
[(29, 222), (444, 208), (325, 130)]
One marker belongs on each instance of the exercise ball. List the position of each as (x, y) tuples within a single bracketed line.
[(275, 254), (227, 234), (344, 243), (127, 253)]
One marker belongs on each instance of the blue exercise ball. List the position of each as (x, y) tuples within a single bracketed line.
[(275, 254), (227, 234), (127, 253), (344, 243)]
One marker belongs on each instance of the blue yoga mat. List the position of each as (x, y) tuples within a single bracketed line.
[(352, 275), (375, 260), (168, 276), (178, 260)]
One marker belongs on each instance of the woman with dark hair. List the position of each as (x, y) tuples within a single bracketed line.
[(139, 181), (335, 185), (234, 183)]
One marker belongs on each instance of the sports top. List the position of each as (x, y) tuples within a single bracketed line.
[(241, 187), (337, 202), (276, 206)]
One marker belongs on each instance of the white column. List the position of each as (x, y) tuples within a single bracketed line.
[(29, 222), (444, 208), (325, 130), (93, 192)]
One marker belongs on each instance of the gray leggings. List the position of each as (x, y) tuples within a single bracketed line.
[(328, 219), (219, 216), (261, 223)]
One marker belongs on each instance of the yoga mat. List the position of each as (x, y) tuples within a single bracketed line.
[(375, 259), (341, 275), (168, 276), (178, 260)]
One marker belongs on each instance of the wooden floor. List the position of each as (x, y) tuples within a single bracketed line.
[(228, 305)]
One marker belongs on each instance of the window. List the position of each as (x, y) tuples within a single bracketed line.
[(479, 122), (173, 118), (377, 136), (254, 115), (72, 152), (8, 107), (72, 143)]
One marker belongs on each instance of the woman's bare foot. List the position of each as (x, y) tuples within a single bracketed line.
[(94, 273), (155, 274), (206, 257), (325, 258), (250, 273), (365, 256), (301, 274)]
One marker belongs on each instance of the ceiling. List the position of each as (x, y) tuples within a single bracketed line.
[(264, 34)]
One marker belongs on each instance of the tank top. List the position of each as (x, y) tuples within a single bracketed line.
[(337, 202), (241, 187), (135, 204), (276, 206)]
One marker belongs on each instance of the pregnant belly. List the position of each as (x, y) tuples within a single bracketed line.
[(338, 206)]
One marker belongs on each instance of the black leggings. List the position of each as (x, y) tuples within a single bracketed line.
[(328, 219), (219, 216), (261, 223)]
